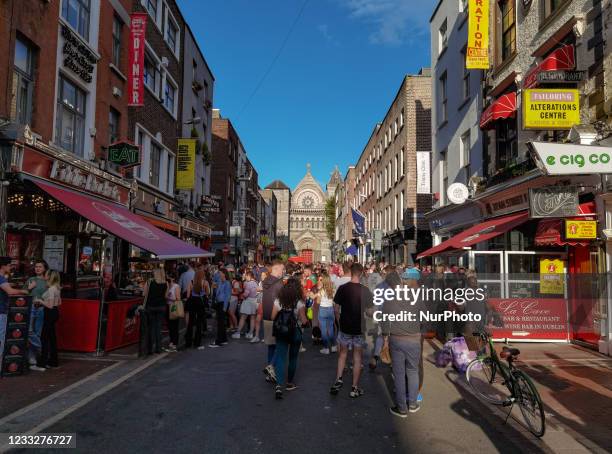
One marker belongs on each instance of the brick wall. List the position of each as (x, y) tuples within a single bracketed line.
[(224, 168)]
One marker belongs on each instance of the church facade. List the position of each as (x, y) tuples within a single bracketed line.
[(308, 232)]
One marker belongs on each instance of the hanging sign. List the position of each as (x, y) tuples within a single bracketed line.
[(477, 52), (580, 230), (138, 26), (551, 109), (124, 154), (185, 164), (572, 159), (553, 202)]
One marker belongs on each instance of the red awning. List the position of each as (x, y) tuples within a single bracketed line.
[(481, 232), (560, 59), (121, 222), (502, 107), (549, 231)]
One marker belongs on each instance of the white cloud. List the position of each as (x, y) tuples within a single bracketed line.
[(393, 21), (324, 30)]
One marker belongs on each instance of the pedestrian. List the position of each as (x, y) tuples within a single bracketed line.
[(403, 338), (50, 300), (234, 300), (155, 309), (354, 300), (248, 308), (172, 296), (271, 286), (6, 290), (324, 300), (390, 281), (259, 321), (374, 277), (288, 312), (224, 293), (197, 291), (37, 313), (343, 276)]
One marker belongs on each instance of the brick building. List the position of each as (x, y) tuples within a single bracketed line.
[(390, 192)]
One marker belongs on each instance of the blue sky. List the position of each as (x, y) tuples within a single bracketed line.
[(334, 80)]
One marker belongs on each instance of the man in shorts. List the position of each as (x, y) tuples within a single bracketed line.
[(353, 300)]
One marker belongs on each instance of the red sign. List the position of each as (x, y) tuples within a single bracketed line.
[(138, 26), (531, 318)]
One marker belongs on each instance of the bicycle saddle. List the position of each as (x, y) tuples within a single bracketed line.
[(507, 351)]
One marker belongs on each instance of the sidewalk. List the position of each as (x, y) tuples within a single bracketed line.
[(576, 387)]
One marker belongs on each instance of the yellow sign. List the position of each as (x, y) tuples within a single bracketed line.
[(580, 230), (552, 276), (477, 51), (185, 164), (551, 108)]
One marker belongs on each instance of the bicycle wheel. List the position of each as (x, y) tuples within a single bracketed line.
[(486, 381), (530, 403)]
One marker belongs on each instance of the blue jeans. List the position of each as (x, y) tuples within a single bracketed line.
[(37, 318), (280, 358), (326, 323), (3, 320), (405, 360)]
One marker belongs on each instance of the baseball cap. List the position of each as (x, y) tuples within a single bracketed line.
[(411, 273)]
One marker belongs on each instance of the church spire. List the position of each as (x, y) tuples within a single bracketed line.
[(308, 168)]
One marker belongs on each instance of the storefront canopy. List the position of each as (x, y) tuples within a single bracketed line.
[(476, 234), (124, 224), (560, 59), (503, 107)]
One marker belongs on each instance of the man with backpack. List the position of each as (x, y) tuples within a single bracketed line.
[(271, 287), (353, 300)]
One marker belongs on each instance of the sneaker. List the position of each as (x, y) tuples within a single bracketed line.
[(224, 343), (270, 372), (324, 351), (356, 392), (39, 369), (334, 349), (236, 335), (278, 392), (336, 386), (249, 336), (290, 387), (213, 345), (254, 340), (413, 408), (201, 347), (302, 349), (420, 398), (397, 412)]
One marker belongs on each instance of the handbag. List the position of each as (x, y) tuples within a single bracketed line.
[(177, 310), (385, 354)]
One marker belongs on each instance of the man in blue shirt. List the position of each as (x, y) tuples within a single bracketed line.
[(5, 291)]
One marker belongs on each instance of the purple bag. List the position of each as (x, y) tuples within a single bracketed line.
[(461, 354), (445, 355)]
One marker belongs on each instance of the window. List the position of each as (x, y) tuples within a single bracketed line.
[(194, 74), (151, 75), (70, 121), (442, 37), (172, 35), (151, 6), (23, 83), (395, 213), (402, 118), (506, 143), (117, 29), (154, 164), (396, 168), (402, 163), (465, 146), (550, 6), (401, 210), (76, 13), (395, 127), (390, 167), (466, 78), (443, 99), (170, 176), (463, 5), (508, 31), (113, 125), (443, 177)]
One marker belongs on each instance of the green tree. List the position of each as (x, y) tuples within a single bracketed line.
[(330, 218)]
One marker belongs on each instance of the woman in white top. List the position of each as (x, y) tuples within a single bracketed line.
[(172, 295), (324, 298), (51, 300)]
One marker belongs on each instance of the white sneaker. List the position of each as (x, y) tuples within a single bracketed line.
[(39, 369), (255, 340), (334, 349), (302, 349), (249, 336), (324, 351), (201, 347), (236, 335)]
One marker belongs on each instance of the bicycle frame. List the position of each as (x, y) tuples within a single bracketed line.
[(505, 370)]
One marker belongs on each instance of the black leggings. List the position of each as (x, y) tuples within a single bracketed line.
[(48, 339), (173, 328)]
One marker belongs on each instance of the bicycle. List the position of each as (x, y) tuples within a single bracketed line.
[(505, 385)]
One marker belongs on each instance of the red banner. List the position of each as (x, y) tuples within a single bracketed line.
[(138, 26), (531, 318)]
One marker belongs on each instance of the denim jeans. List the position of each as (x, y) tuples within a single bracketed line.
[(3, 320), (37, 318), (326, 323), (280, 358), (405, 360)]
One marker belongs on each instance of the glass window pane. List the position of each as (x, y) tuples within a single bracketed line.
[(22, 57)]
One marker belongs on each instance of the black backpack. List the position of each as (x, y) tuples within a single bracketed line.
[(285, 325)]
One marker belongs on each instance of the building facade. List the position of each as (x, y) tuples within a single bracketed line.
[(267, 225), (282, 193)]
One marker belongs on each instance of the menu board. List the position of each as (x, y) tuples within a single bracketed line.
[(54, 252)]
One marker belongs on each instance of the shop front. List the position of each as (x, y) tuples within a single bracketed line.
[(76, 217)]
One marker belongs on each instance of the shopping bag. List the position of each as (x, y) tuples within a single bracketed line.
[(177, 310), (462, 356), (444, 356)]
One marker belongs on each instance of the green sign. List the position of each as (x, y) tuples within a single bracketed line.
[(124, 154)]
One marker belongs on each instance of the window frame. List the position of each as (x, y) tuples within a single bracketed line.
[(443, 36), (23, 78), (177, 36), (116, 50), (113, 114), (506, 52), (168, 81), (61, 106), (464, 152), (83, 5), (158, 75), (443, 85), (546, 12)]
